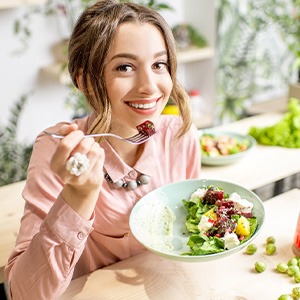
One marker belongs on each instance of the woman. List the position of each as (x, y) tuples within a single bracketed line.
[(122, 56)]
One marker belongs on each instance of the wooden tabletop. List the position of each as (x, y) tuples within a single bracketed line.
[(11, 210), (263, 165), (149, 276)]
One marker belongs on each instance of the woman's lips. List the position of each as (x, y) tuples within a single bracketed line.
[(147, 105)]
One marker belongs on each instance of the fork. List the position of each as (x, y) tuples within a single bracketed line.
[(139, 138)]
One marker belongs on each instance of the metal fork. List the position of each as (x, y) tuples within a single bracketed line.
[(139, 138)]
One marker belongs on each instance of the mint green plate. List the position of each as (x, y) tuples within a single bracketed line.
[(144, 220), (227, 159)]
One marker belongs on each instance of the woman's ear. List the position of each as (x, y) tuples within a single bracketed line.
[(79, 81)]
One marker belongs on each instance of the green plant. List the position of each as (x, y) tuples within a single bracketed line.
[(66, 10), (249, 59), (187, 36), (76, 101), (286, 16), (14, 156)]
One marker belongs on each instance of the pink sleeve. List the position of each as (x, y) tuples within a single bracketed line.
[(51, 236), (42, 263)]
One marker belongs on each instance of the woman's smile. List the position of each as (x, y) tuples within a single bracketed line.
[(144, 106)]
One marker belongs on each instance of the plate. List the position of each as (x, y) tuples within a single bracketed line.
[(231, 158), (146, 218)]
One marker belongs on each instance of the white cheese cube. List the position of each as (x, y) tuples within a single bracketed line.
[(235, 197), (204, 224), (241, 204), (230, 240), (199, 193)]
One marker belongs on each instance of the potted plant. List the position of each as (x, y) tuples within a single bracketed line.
[(14, 156)]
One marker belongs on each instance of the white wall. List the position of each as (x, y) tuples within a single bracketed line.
[(20, 74)]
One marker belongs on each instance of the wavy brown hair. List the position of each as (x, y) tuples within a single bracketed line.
[(90, 44)]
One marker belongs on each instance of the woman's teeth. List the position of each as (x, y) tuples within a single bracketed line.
[(142, 105)]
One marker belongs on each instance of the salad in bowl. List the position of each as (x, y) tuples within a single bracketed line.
[(224, 147), (197, 219)]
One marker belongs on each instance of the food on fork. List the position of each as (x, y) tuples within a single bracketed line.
[(146, 127)]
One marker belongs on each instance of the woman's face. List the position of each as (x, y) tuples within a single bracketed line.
[(136, 75)]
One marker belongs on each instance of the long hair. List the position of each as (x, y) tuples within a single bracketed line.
[(90, 44)]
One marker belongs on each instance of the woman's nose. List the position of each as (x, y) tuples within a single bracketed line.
[(146, 82)]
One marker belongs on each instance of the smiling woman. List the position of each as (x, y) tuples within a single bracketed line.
[(77, 222), (137, 79)]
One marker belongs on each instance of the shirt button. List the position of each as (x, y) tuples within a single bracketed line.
[(80, 235)]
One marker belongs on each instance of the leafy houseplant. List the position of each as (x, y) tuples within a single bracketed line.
[(287, 19), (248, 56), (65, 11), (286, 16), (14, 156)]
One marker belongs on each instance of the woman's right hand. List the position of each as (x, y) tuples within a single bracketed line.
[(80, 192)]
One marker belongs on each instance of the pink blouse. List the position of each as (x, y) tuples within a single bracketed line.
[(56, 245)]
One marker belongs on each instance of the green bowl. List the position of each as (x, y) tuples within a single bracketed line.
[(144, 219), (231, 158)]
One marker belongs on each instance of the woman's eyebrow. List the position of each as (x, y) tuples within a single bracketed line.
[(124, 55), (161, 53), (134, 57)]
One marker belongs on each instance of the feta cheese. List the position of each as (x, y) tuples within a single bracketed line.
[(199, 193), (241, 204), (230, 240), (235, 197), (204, 224)]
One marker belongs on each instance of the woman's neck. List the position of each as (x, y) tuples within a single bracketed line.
[(128, 153)]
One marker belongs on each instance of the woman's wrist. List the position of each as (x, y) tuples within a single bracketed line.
[(83, 201)]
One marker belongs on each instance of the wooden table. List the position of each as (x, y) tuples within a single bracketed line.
[(12, 206), (263, 165), (149, 276)]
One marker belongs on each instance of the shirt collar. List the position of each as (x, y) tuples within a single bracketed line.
[(118, 169)]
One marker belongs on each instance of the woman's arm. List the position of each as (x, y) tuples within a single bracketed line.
[(42, 263), (57, 220)]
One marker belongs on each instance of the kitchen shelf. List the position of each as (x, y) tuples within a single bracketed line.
[(191, 55), (6, 4), (195, 54), (56, 71)]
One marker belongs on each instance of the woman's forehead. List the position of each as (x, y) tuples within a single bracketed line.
[(135, 36)]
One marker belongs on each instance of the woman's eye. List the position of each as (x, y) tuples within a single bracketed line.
[(160, 65), (124, 68)]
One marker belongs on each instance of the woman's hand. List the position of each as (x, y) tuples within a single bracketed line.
[(80, 192)]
